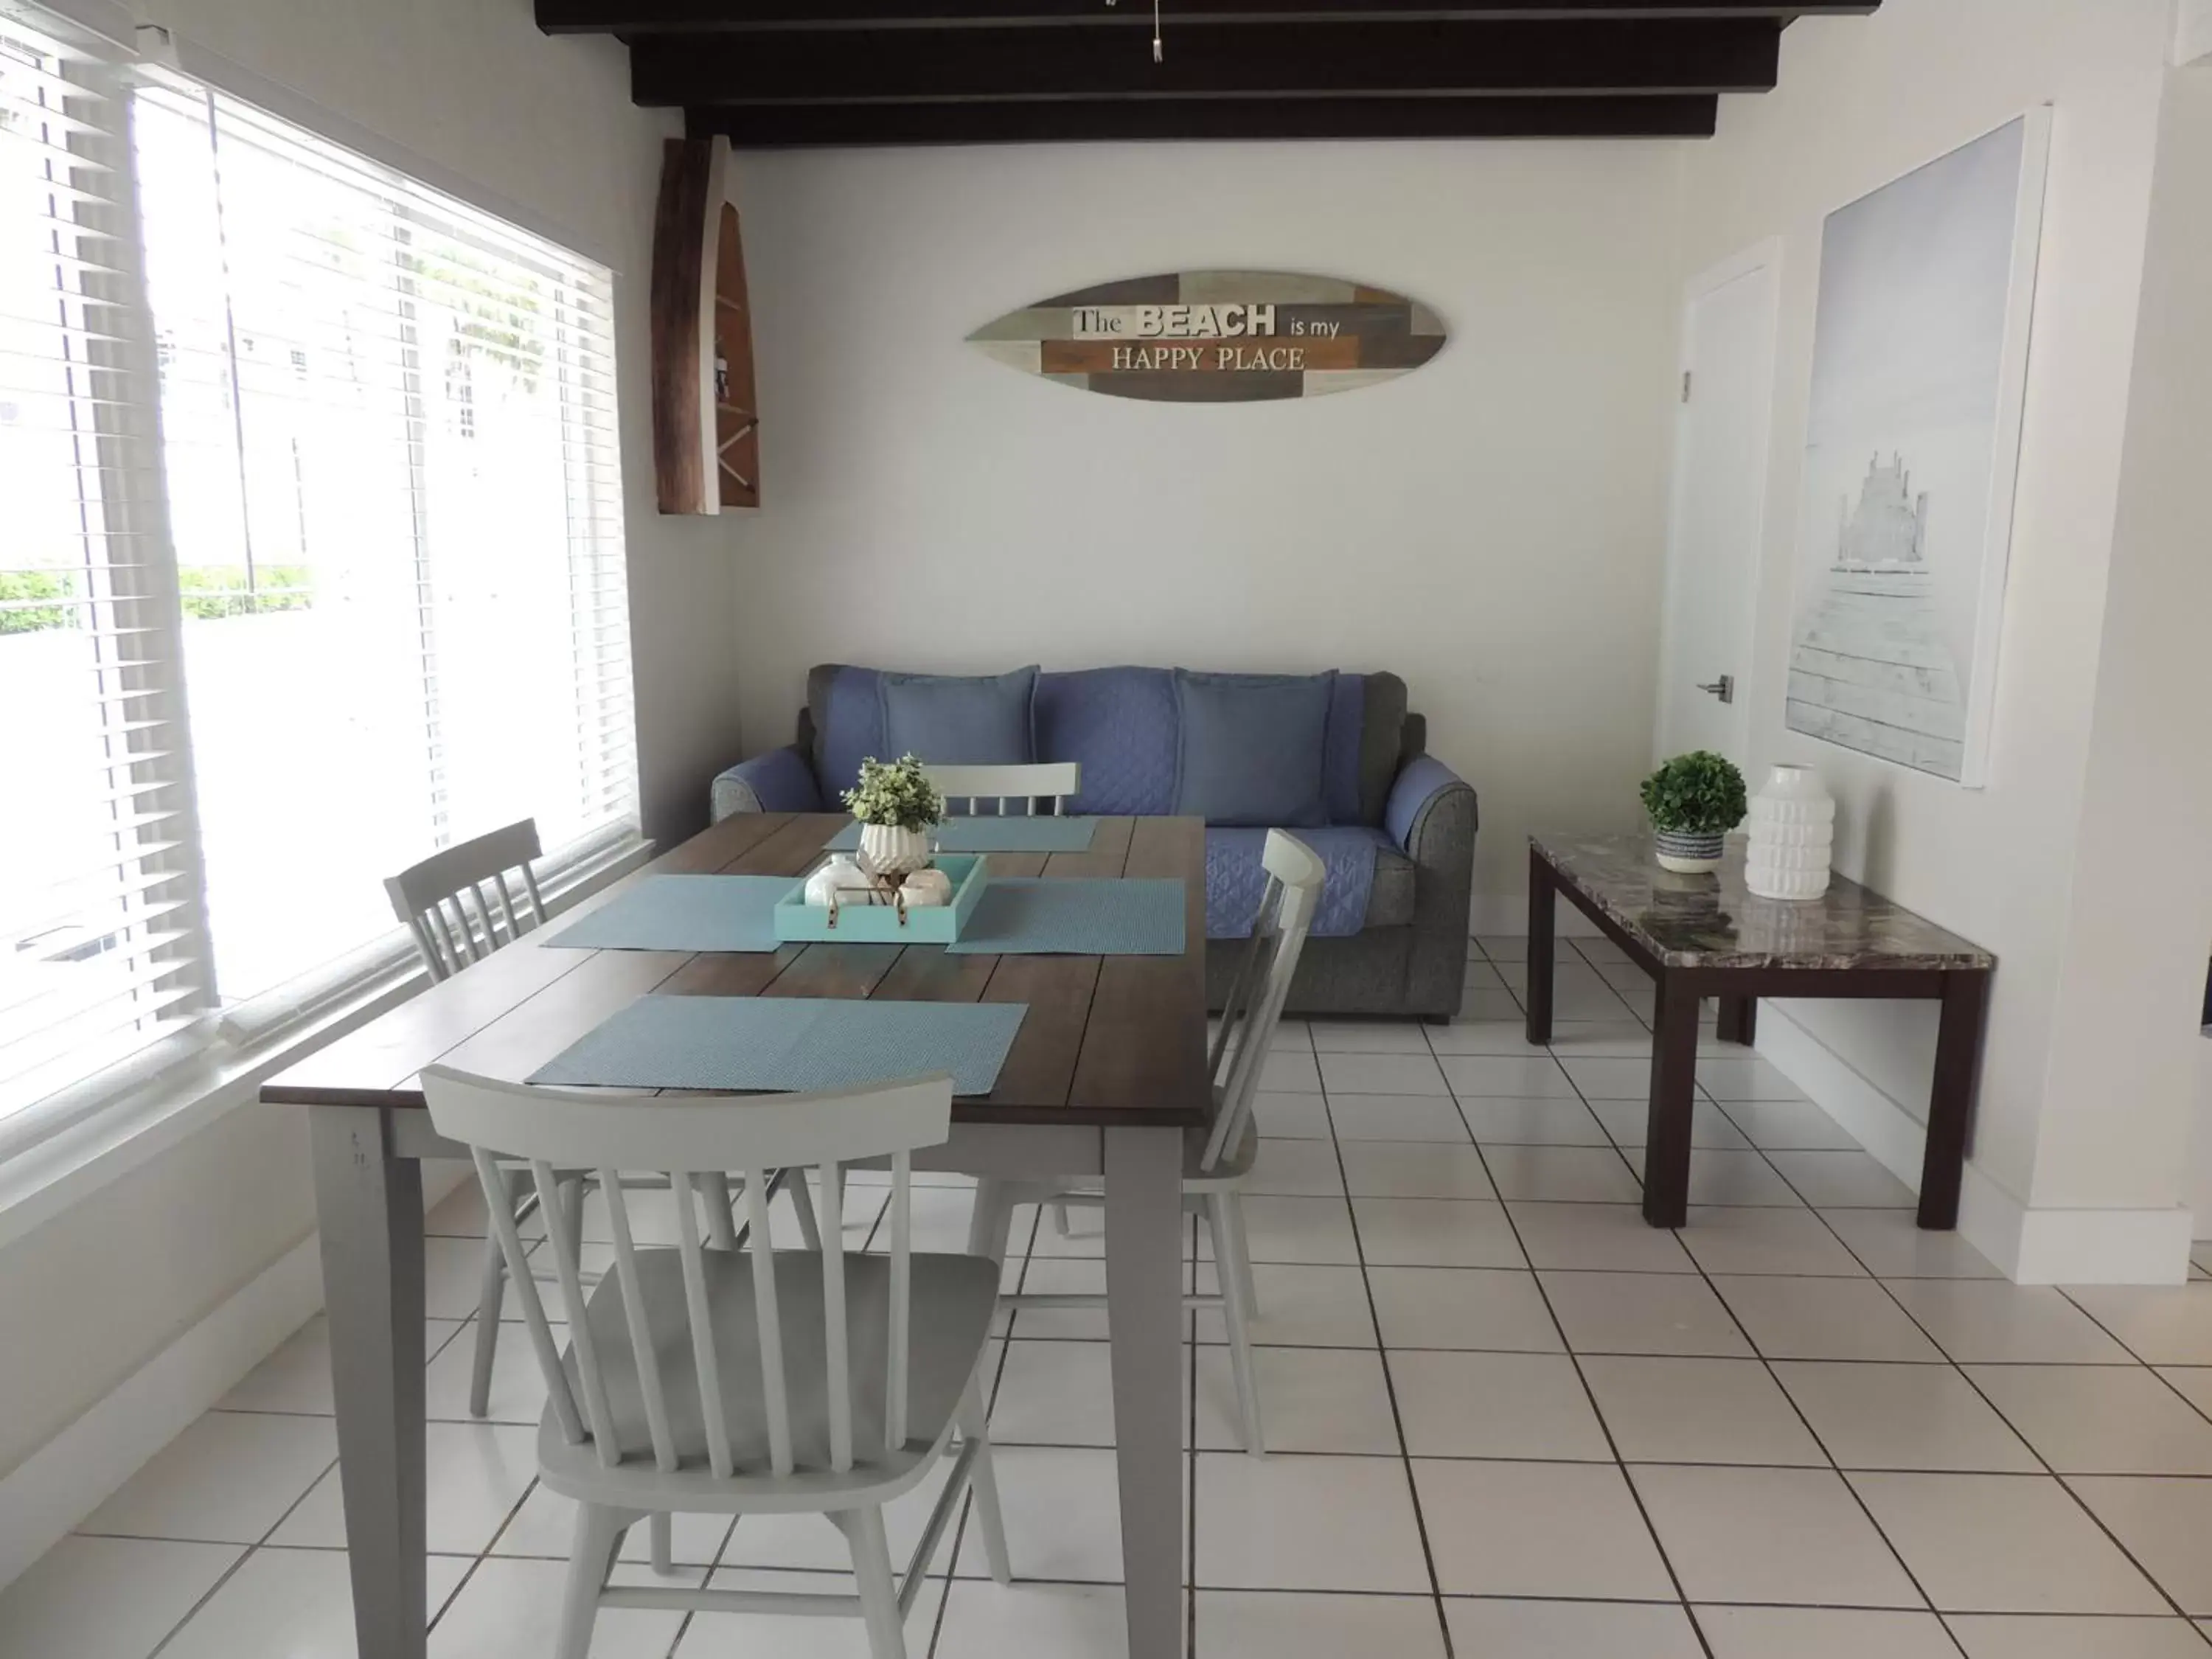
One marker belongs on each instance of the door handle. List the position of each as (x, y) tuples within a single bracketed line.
[(1722, 687)]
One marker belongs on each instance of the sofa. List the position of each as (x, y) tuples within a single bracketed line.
[(1338, 755)]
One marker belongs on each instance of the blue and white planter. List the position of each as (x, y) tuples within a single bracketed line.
[(1689, 855)]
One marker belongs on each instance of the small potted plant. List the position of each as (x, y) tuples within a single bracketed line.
[(1694, 801), (897, 806)]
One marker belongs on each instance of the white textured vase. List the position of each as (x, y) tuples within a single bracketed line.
[(888, 850), (1793, 830)]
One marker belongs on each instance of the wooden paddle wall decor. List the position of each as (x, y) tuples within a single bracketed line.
[(1217, 336), (706, 423)]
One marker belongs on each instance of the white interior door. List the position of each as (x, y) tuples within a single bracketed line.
[(1719, 496)]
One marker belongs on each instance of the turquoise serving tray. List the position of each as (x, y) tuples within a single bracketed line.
[(883, 924)]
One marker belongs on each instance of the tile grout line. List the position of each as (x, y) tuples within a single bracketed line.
[(1190, 1452), (1389, 1382), (1589, 1396), (245, 1555), (1955, 1366), (2127, 1349), (990, 1405), (255, 1547), (1767, 1365), (2034, 1450), (2065, 1483), (1844, 1481)]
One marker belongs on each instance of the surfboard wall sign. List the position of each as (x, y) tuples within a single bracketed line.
[(1217, 336)]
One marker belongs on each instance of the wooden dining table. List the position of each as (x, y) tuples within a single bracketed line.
[(1106, 1074)]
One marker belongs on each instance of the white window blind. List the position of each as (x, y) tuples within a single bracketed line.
[(394, 492), (101, 928), (310, 556)]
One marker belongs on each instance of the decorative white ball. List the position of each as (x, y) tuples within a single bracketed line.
[(926, 887)]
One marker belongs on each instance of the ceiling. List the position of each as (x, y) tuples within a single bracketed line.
[(779, 72)]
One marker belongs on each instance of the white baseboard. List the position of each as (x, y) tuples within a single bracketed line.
[(1885, 1128), (2073, 1247), (54, 1489), (2029, 1246), (72, 1474)]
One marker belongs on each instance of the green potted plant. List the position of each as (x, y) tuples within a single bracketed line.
[(1694, 799), (897, 806)]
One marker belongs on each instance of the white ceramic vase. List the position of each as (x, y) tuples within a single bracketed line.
[(1793, 831), (888, 850)]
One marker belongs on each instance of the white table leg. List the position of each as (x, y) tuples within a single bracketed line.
[(368, 1203), (1144, 1292)]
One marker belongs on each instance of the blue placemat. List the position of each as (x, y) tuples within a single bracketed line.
[(683, 912), (993, 835), (1028, 916), (795, 1043)]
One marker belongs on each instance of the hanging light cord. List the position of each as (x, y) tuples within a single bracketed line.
[(1159, 48)]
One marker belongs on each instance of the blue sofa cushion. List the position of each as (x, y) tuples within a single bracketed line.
[(1342, 746), (1119, 725), (960, 720), (1252, 747), (847, 707), (1235, 878)]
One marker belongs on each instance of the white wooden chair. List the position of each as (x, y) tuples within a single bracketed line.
[(1009, 786), (743, 1382), (432, 898), (1217, 1161)]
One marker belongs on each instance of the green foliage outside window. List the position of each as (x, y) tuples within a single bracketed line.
[(18, 587), (213, 590), (210, 592)]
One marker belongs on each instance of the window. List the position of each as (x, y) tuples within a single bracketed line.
[(313, 561)]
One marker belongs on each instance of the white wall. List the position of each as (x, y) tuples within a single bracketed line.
[(473, 86), (2013, 865), (1490, 527), (2141, 922)]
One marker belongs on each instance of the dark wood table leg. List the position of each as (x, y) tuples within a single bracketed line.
[(1739, 1019), (1542, 903), (1951, 1101), (1674, 1078)]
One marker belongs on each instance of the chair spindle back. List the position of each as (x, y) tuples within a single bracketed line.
[(431, 897), (683, 1137), (1053, 780), (1256, 995)]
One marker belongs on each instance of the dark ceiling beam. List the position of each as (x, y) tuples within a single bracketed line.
[(631, 18), (1210, 61), (765, 126)]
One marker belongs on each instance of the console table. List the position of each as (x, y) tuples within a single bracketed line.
[(1706, 936)]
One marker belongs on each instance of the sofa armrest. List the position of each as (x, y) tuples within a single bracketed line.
[(781, 780), (1430, 803), (1430, 815)]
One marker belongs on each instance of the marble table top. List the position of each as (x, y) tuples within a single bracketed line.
[(1713, 921)]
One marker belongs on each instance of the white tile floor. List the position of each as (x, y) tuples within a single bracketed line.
[(1509, 1420)]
